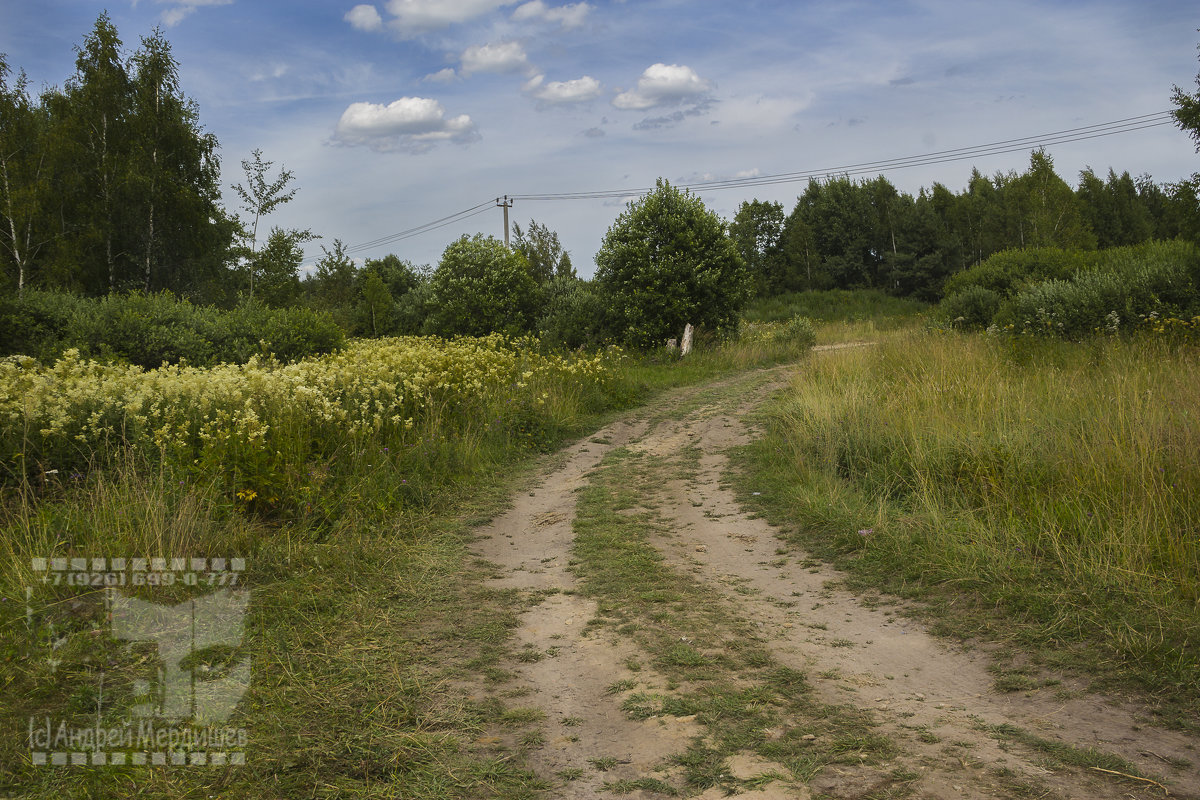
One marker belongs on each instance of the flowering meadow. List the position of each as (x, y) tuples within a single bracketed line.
[(265, 426)]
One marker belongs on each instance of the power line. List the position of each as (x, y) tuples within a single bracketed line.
[(1114, 127), (418, 230), (1066, 136)]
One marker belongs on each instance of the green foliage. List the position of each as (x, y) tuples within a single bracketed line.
[(1127, 286), (973, 308), (331, 285), (757, 231), (148, 330), (400, 276), (834, 305), (1051, 213), (666, 262), (572, 315), (111, 183), (481, 287), (1187, 111), (260, 196), (1114, 210), (275, 270), (798, 331), (853, 234), (377, 300), (543, 252), (1008, 271)]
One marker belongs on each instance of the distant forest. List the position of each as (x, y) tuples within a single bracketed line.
[(849, 234)]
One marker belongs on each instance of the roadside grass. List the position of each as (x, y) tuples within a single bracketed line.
[(716, 664), (368, 614), (1048, 502), (356, 647)]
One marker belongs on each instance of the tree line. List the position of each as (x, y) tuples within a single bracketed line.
[(110, 183), (845, 233)]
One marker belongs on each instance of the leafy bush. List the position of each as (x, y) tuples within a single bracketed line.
[(38, 324), (665, 262), (798, 331), (1008, 271), (572, 314), (481, 287), (149, 330), (1128, 285), (972, 309)]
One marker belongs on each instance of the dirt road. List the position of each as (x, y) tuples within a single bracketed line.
[(941, 728)]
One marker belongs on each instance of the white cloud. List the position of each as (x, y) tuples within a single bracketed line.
[(275, 72), (579, 90), (569, 16), (663, 85), (410, 124), (503, 57), (414, 17), (364, 18), (182, 9), (441, 76)]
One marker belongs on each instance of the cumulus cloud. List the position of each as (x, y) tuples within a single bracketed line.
[(364, 18), (555, 93), (569, 16), (414, 17), (410, 124), (182, 9), (441, 76), (664, 85), (503, 57)]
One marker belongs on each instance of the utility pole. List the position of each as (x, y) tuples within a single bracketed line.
[(506, 204)]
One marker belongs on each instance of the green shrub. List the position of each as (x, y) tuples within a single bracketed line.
[(798, 331), (1128, 286), (572, 314), (149, 330), (973, 308), (482, 287), (667, 262), (1006, 272), (37, 324)]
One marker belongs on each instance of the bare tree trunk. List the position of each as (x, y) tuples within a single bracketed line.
[(12, 227), (153, 187), (106, 193), (149, 244)]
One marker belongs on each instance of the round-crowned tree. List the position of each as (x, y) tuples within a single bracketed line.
[(481, 286), (665, 262)]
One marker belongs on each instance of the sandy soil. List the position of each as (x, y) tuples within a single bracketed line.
[(857, 652)]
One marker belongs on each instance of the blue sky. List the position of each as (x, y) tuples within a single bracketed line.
[(400, 112)]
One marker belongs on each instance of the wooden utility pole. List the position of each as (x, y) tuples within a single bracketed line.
[(506, 204)]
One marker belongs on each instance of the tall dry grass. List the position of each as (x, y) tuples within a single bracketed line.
[(1062, 489)]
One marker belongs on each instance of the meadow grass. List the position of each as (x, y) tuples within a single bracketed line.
[(1057, 487), (352, 503), (836, 305), (841, 315)]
